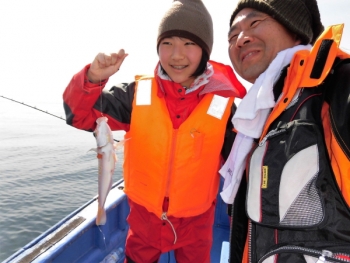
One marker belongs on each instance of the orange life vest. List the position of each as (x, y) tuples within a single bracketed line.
[(181, 164)]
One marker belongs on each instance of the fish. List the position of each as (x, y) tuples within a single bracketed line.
[(107, 159)]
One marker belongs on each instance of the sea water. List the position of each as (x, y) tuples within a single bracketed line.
[(46, 172)]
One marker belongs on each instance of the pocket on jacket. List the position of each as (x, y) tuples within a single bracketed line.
[(198, 139)]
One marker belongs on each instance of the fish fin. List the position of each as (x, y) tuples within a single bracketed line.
[(120, 143), (92, 149), (101, 216)]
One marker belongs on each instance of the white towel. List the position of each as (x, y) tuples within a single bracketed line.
[(234, 166), (249, 121)]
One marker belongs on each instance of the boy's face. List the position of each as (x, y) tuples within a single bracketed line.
[(180, 58), (255, 38)]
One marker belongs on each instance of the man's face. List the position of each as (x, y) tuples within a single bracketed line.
[(255, 38)]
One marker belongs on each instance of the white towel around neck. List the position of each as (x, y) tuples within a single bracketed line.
[(249, 121)]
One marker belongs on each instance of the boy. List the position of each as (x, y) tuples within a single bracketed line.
[(177, 123)]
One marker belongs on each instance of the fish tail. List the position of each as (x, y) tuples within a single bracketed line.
[(101, 216)]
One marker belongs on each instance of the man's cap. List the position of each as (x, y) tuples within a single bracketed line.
[(301, 17)]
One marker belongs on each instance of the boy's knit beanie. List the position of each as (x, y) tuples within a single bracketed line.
[(189, 19), (301, 17)]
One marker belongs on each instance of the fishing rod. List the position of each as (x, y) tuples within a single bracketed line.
[(33, 107)]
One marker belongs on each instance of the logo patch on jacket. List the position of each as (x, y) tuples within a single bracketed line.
[(143, 95), (217, 106), (265, 176)]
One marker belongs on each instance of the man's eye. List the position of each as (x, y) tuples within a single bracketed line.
[(255, 22), (232, 38), (190, 43)]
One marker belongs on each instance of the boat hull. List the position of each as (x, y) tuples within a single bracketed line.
[(77, 238)]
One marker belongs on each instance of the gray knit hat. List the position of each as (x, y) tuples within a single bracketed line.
[(189, 19), (301, 17)]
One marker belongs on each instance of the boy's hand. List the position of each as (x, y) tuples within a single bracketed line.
[(105, 65)]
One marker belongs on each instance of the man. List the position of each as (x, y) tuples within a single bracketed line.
[(293, 136)]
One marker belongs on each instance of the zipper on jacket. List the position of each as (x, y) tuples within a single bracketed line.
[(164, 217), (342, 255), (230, 235), (271, 134), (323, 255), (250, 241), (295, 99)]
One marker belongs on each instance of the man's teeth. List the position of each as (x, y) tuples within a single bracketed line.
[(249, 54)]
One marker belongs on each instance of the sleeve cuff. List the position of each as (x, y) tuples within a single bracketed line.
[(90, 84)]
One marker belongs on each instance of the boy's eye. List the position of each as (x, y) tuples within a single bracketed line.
[(190, 43)]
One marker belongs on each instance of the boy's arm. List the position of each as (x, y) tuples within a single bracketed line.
[(84, 102)]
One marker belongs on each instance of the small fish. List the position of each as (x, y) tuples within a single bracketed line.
[(107, 160)]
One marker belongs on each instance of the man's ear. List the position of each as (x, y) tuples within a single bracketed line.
[(297, 39)]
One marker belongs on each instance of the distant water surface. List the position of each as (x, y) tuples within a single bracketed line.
[(46, 172)]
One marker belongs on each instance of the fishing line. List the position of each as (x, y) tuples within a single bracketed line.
[(33, 107), (103, 235), (101, 97)]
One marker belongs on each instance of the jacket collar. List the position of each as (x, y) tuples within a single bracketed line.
[(220, 80), (309, 68)]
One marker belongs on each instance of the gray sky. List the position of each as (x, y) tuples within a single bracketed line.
[(43, 43)]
